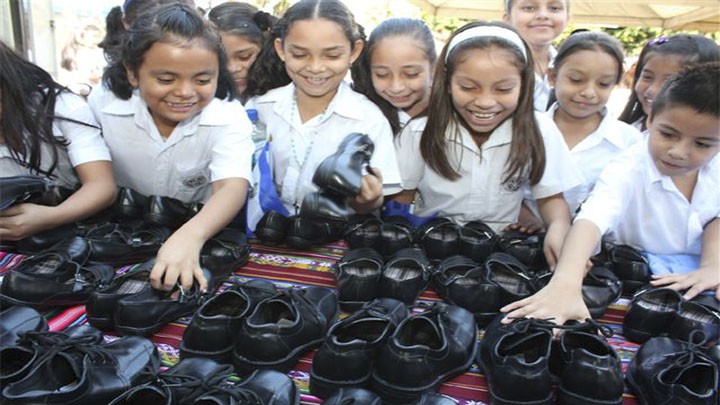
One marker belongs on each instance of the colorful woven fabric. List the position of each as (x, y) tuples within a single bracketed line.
[(314, 268)]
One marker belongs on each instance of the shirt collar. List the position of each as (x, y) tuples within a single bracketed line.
[(502, 135), (603, 131), (342, 104)]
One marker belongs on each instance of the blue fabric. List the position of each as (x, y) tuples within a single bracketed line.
[(269, 198), (392, 208), (672, 264)]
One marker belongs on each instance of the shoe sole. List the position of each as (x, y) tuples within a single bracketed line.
[(566, 397), (223, 356), (634, 386), (496, 400), (324, 388), (245, 366)]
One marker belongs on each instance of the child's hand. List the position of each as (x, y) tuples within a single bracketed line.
[(527, 222), (695, 282), (554, 239), (178, 259), (371, 192), (23, 220)]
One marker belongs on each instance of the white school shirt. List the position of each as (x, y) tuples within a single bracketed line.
[(543, 88), (634, 204), (213, 145), (85, 143), (594, 152), (479, 193), (320, 137)]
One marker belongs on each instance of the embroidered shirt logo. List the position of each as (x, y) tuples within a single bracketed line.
[(195, 181), (513, 185)]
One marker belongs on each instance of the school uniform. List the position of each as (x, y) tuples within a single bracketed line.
[(85, 143), (634, 204), (481, 193), (543, 88), (594, 152), (213, 145), (296, 149), (403, 118)]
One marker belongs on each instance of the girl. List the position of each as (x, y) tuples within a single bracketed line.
[(539, 22), (400, 57), (243, 29), (173, 130), (48, 131), (308, 107), (587, 68), (483, 143), (661, 58)]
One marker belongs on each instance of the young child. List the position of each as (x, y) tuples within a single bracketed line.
[(587, 68), (483, 143), (661, 58), (309, 109), (46, 130), (243, 29), (400, 57), (539, 22), (660, 196), (173, 130)]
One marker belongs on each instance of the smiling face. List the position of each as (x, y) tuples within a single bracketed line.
[(317, 56), (241, 54), (584, 81), (176, 82), (539, 22), (485, 89), (682, 140), (401, 73), (656, 70)]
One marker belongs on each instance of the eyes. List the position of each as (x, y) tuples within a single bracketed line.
[(200, 80), (672, 136), (554, 8), (329, 56)]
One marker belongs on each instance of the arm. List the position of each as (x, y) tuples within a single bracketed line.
[(404, 197), (179, 256), (562, 299), (556, 214), (707, 276)]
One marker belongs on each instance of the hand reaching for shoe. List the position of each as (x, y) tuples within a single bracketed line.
[(371, 192), (178, 260), (695, 282), (23, 220)]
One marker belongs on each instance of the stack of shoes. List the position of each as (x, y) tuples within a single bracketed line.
[(528, 249), (664, 312), (629, 265), (669, 371), (78, 367), (61, 275), (282, 328), (424, 351), (355, 340)]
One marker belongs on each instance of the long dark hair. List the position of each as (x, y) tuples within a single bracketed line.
[(174, 23), (268, 70), (28, 95), (526, 148), (692, 48), (362, 83)]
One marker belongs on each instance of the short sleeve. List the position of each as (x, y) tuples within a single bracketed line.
[(410, 160), (233, 148), (560, 173), (80, 129)]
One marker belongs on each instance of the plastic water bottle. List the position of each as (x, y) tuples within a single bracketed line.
[(259, 133)]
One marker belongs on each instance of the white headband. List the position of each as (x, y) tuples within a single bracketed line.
[(487, 31)]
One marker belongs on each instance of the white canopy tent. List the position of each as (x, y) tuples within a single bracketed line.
[(701, 15)]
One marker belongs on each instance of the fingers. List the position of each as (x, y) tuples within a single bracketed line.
[(200, 277), (159, 274)]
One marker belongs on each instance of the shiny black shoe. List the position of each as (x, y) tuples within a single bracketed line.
[(439, 238), (600, 288), (168, 212), (424, 351), (212, 330), (650, 313), (16, 321), (129, 203), (305, 233), (354, 340), (405, 275), (629, 265), (342, 171), (528, 249), (396, 233), (19, 189), (262, 387), (363, 231), (461, 281), (54, 196), (282, 328), (358, 276), (272, 227), (325, 206), (119, 245), (477, 241), (359, 396), (224, 253), (42, 241), (697, 318), (101, 305)]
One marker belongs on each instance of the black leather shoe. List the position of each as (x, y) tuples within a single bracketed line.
[(43, 241), (696, 319), (461, 281), (212, 330), (342, 171), (358, 276), (363, 231), (129, 203), (507, 280), (439, 238), (588, 369), (477, 241), (118, 245), (354, 396), (224, 253), (101, 305), (405, 275), (668, 371), (305, 233), (600, 288), (354, 340), (15, 321), (424, 351), (52, 197), (168, 212), (515, 360), (19, 189), (282, 328), (629, 265), (650, 313), (434, 399), (324, 206), (262, 387), (526, 248), (272, 227), (396, 233), (180, 384)]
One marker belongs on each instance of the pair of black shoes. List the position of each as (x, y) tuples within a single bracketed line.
[(662, 311), (61, 275), (386, 236), (127, 243), (157, 211), (74, 366), (441, 238), (203, 381), (669, 371), (628, 264), (520, 359), (298, 232), (363, 275), (528, 249)]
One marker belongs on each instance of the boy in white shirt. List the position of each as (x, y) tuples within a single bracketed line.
[(660, 196)]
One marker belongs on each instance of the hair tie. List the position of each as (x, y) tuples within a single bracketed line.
[(487, 31), (658, 40)]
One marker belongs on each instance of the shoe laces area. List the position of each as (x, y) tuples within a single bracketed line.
[(57, 342), (239, 395), (167, 380)]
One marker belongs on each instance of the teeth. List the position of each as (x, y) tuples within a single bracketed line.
[(316, 79), (483, 116), (181, 104)]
